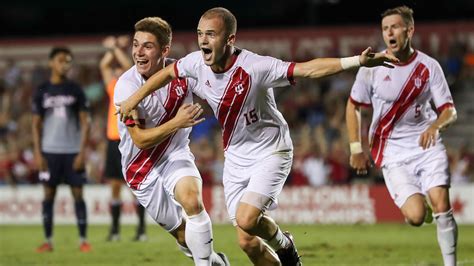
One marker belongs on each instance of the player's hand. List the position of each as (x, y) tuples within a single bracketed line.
[(109, 42), (370, 59), (429, 137), (41, 163), (360, 162), (78, 163), (124, 109), (188, 115), (123, 41)]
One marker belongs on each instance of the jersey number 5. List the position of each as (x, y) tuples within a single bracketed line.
[(417, 110), (251, 117)]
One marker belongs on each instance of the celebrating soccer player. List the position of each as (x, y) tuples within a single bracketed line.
[(237, 84), (405, 140), (156, 161)]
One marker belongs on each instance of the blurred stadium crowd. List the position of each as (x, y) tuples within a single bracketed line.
[(315, 111)]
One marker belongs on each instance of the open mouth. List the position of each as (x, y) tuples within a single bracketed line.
[(206, 51), (142, 62), (392, 42), (206, 54)]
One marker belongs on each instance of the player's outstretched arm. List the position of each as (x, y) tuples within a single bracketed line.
[(322, 67), (359, 160), (155, 82), (187, 116), (429, 136)]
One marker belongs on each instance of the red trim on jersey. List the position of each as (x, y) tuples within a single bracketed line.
[(232, 102), (130, 122), (411, 59), (138, 170), (444, 107), (356, 103), (289, 73), (175, 67), (413, 87)]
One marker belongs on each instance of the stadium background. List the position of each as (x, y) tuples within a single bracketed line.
[(321, 188)]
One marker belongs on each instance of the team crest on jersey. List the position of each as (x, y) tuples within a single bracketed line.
[(239, 88), (208, 84), (418, 82), (179, 90)]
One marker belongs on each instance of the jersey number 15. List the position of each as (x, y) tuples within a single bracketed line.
[(250, 117)]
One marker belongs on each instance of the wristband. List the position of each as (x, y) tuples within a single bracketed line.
[(356, 147), (350, 62)]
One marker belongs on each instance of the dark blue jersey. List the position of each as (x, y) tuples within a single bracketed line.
[(59, 106)]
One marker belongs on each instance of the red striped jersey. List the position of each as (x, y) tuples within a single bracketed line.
[(401, 101), (140, 167), (243, 102)]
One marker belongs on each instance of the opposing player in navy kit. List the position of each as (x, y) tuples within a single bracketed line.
[(60, 133)]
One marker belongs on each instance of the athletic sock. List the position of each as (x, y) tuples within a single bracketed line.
[(185, 250), (115, 210), (81, 215), (447, 230), (141, 219), (199, 239), (278, 241), (48, 219)]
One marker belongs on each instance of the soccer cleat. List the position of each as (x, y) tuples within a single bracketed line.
[(140, 238), (429, 213), (85, 247), (113, 238), (45, 247), (289, 256), (224, 258)]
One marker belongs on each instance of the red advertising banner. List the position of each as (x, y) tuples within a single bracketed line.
[(297, 205)]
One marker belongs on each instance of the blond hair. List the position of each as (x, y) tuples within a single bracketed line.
[(230, 22), (405, 12)]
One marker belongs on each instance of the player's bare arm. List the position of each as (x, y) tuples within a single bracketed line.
[(84, 120), (428, 138), (37, 125), (187, 116), (155, 82), (359, 160), (322, 67)]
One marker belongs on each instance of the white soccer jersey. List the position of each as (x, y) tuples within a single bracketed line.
[(400, 98), (139, 166), (243, 102)]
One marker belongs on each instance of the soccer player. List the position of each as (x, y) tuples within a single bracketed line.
[(237, 84), (60, 133), (157, 163), (113, 64), (405, 140)]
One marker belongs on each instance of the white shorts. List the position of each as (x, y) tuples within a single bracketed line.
[(265, 177), (417, 174), (158, 198)]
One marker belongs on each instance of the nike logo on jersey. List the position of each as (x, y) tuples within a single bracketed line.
[(209, 242), (387, 78), (208, 84)]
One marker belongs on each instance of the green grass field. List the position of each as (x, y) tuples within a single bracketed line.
[(383, 244)]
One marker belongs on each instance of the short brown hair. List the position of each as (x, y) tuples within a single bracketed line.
[(229, 19), (156, 26), (405, 12)]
